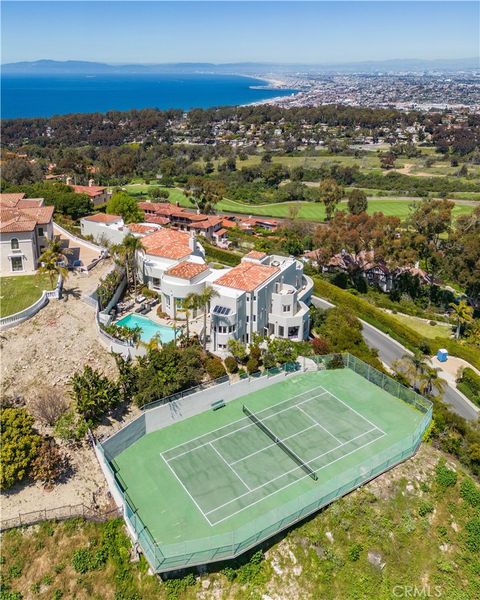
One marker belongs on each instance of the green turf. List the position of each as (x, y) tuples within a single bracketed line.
[(21, 291), (171, 491)]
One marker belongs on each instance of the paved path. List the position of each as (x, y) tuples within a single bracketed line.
[(390, 350)]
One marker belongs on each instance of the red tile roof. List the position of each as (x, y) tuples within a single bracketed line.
[(187, 270), (102, 218), (228, 223), (18, 214), (90, 190), (247, 276), (157, 219), (141, 228), (168, 243), (255, 254)]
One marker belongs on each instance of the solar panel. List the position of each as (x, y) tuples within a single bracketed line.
[(221, 310)]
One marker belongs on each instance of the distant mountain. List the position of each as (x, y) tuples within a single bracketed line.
[(78, 67)]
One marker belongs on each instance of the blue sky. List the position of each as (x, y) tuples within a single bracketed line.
[(308, 32)]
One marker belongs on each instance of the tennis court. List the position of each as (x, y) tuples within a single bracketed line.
[(318, 428), (209, 485)]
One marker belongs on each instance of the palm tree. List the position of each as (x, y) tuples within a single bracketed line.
[(430, 382), (204, 299), (412, 367), (190, 302), (463, 313), (132, 245), (50, 265)]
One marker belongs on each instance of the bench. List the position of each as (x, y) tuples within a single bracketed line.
[(218, 404)]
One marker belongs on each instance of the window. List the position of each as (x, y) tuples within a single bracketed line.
[(222, 346), (254, 318), (17, 263), (167, 300), (286, 308), (231, 328), (254, 296), (248, 298), (40, 232), (248, 318), (14, 245), (280, 330), (156, 282)]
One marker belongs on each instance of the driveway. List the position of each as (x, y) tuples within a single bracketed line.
[(390, 350)]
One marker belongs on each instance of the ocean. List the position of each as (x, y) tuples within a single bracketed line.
[(47, 95)]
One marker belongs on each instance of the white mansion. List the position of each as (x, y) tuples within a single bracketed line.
[(263, 294)]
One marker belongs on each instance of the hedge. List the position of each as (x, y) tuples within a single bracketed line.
[(398, 331), (221, 256), (469, 384)]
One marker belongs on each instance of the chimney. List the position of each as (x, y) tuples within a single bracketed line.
[(91, 183), (192, 242)]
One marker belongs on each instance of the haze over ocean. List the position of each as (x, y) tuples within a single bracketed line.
[(47, 95)]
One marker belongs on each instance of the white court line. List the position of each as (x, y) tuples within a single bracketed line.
[(245, 418), (357, 413), (230, 466), (294, 469), (249, 424), (297, 480), (271, 445), (188, 493), (317, 423)]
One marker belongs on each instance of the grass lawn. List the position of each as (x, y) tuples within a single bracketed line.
[(424, 328), (20, 291)]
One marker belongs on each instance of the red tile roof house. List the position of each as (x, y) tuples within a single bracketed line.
[(268, 295), (26, 226), (207, 226), (97, 194)]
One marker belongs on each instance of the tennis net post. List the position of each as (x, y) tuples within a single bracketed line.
[(293, 455)]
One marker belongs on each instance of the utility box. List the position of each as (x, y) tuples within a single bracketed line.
[(442, 355)]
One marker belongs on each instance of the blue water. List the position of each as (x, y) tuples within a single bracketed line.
[(44, 96), (149, 328)]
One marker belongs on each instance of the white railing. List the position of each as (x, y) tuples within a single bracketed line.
[(79, 240), (30, 311)]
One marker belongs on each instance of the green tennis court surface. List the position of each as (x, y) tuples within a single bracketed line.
[(218, 471)]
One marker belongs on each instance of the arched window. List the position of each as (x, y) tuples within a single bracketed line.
[(14, 244)]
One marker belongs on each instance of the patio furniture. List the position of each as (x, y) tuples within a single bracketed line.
[(139, 309), (140, 299), (144, 310)]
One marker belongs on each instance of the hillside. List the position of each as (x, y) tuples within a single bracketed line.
[(417, 525)]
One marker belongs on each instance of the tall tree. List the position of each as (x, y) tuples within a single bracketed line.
[(205, 193), (357, 202), (124, 205), (330, 194), (463, 315)]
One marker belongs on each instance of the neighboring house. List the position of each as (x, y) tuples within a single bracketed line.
[(249, 224), (97, 194), (110, 229), (268, 295), (375, 271), (26, 227), (207, 226)]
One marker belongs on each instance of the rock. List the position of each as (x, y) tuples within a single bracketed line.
[(455, 527), (329, 535), (444, 547), (320, 551), (410, 488), (375, 559), (206, 584), (297, 570)]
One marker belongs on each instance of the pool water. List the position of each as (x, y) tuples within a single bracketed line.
[(149, 328)]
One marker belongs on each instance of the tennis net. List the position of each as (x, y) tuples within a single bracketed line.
[(293, 455)]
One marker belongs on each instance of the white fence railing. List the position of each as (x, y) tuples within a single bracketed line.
[(79, 240), (30, 311)]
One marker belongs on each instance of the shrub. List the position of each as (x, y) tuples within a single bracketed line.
[(469, 384), (425, 508), (252, 365), (87, 559), (20, 445), (71, 427), (214, 367), (336, 362), (93, 393), (231, 364), (354, 552), (48, 406), (473, 534), (320, 346), (50, 464), (445, 477), (432, 323), (255, 353), (470, 492)]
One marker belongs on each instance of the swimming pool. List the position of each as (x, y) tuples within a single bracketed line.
[(149, 328)]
